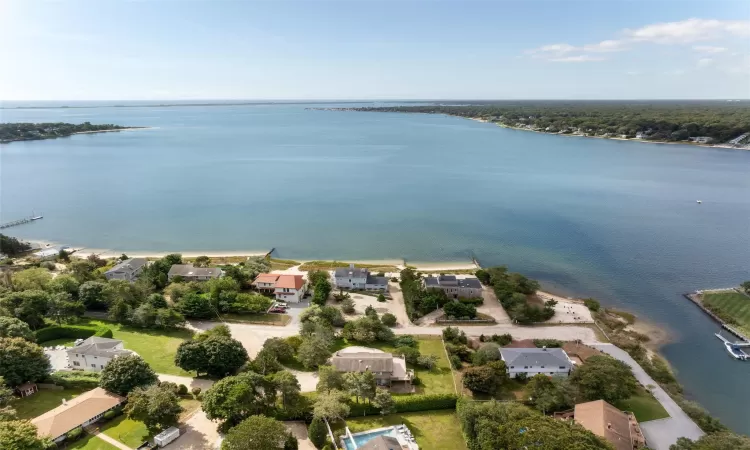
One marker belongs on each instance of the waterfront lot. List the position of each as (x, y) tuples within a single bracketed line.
[(431, 429), (730, 304), (643, 405)]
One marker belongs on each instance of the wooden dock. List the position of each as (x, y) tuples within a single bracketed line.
[(19, 221)]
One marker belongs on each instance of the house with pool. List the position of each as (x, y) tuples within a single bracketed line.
[(397, 437)]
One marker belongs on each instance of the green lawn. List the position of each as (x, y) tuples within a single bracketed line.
[(157, 347), (42, 401), (643, 405), (89, 442), (130, 432), (432, 429), (68, 342), (731, 304)]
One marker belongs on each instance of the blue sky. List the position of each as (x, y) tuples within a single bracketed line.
[(355, 49)]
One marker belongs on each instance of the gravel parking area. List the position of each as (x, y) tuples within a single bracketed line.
[(58, 358)]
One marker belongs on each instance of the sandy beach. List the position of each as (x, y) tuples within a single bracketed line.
[(110, 131)]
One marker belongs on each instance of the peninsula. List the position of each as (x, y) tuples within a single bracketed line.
[(716, 123), (10, 132)]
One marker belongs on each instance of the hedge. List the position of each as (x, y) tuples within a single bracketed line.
[(71, 332), (75, 380), (476, 301)]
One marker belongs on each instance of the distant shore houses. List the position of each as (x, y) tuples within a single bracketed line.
[(454, 287), (288, 288), (189, 272), (127, 270), (358, 278), (535, 361)]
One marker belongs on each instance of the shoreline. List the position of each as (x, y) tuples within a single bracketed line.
[(642, 141), (75, 133)]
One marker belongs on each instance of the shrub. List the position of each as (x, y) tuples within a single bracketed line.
[(456, 362), (317, 432), (483, 276), (182, 390), (409, 403), (196, 391), (394, 279), (454, 336), (471, 300), (411, 354), (549, 343), (461, 351), (502, 339), (381, 298), (294, 341), (74, 434), (427, 361), (75, 380), (71, 332), (388, 319), (109, 414), (347, 306), (592, 304), (405, 341), (486, 353), (460, 310)]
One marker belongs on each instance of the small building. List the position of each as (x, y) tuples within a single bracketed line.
[(387, 368), (358, 278), (266, 282), (83, 410), (621, 429), (49, 253), (191, 273), (94, 353), (127, 270), (535, 361), (454, 287), (27, 389), (290, 288)]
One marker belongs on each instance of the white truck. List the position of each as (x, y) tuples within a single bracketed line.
[(166, 436)]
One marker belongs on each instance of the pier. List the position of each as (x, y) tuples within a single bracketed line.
[(20, 221)]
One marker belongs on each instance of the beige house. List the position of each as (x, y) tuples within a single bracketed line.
[(388, 369), (191, 273), (83, 410), (266, 282), (621, 429)]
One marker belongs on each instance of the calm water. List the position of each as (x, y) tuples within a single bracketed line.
[(608, 219)]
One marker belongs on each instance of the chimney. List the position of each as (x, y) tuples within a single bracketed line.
[(544, 348), (351, 266)]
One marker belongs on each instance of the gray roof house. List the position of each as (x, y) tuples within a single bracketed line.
[(358, 278), (386, 368), (127, 270), (534, 361), (192, 273), (94, 353), (454, 287)]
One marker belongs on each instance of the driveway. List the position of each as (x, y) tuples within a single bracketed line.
[(299, 430), (187, 381), (492, 307), (308, 381), (58, 359), (397, 306), (199, 433), (662, 433)]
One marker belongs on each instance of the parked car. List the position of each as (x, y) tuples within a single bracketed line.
[(277, 310)]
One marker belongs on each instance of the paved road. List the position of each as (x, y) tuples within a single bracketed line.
[(660, 434)]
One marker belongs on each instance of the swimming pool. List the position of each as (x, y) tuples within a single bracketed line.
[(362, 438)]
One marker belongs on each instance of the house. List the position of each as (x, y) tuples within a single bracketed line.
[(455, 287), (533, 361), (357, 278), (290, 288), (620, 428), (127, 270), (191, 273), (266, 282), (387, 368), (94, 353), (83, 410), (27, 389), (49, 253)]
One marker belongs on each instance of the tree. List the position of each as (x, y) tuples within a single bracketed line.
[(725, 440), (410, 354), (11, 327), (93, 294), (388, 319), (288, 386), (331, 406), (169, 318), (454, 336), (316, 276), (329, 379), (157, 300), (125, 373), (22, 435), (235, 398), (543, 432), (486, 353), (259, 432), (347, 306), (314, 350), (460, 310), (36, 278), (381, 298), (22, 361), (196, 306), (746, 286), (215, 355), (604, 378), (62, 308), (12, 246), (6, 397), (82, 270), (265, 362), (480, 379), (321, 290), (360, 384), (427, 361), (202, 261), (64, 283), (29, 306), (483, 276), (547, 394), (280, 348), (317, 432), (156, 406), (384, 401)]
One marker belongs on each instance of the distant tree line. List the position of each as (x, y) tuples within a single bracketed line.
[(11, 246), (10, 132), (659, 121)]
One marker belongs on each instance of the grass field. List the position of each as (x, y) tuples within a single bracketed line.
[(730, 304), (42, 401), (68, 342), (89, 442), (130, 432), (431, 429), (643, 405), (157, 347)]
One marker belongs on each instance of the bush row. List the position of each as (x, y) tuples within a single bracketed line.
[(404, 404), (75, 380), (70, 332)]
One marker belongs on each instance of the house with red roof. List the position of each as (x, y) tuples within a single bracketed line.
[(290, 288)]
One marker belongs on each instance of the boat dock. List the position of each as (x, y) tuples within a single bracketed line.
[(735, 349), (20, 221)]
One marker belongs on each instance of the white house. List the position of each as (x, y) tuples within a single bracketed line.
[(290, 288), (355, 278), (266, 282), (83, 410), (94, 353), (127, 270), (49, 253), (191, 273), (533, 361)]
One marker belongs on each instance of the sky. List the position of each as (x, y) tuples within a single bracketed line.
[(388, 49)]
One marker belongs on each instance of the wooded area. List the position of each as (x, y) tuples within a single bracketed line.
[(10, 132)]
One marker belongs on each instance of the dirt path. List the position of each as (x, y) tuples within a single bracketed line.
[(398, 308)]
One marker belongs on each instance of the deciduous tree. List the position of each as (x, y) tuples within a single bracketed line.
[(22, 435), (331, 405), (156, 406), (317, 432), (604, 378), (22, 361), (384, 401), (259, 432), (125, 373), (36, 278), (288, 386), (12, 327), (235, 398)]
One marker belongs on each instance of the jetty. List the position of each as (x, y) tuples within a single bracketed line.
[(735, 349), (20, 221)]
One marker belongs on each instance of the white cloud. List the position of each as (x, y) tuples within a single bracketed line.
[(562, 52), (690, 30), (577, 58), (709, 49), (703, 62), (633, 72), (605, 46)]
